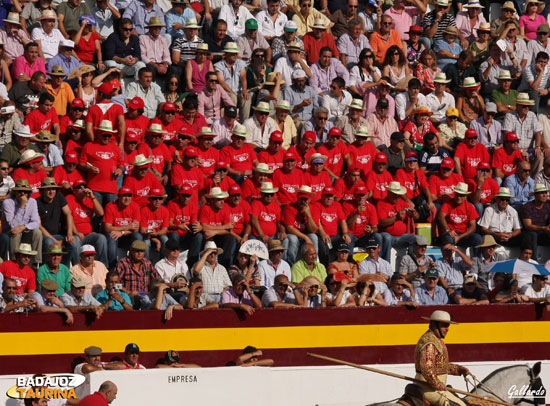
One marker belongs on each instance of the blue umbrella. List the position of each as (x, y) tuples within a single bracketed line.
[(517, 266)]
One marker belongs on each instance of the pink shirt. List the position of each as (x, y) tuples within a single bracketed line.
[(463, 24), (370, 98), (531, 25), (402, 20), (210, 103), (22, 66), (229, 296), (154, 50)]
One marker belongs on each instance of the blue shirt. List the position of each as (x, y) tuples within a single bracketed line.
[(423, 298), (103, 296), (442, 45), (140, 16), (173, 17), (148, 301), (451, 272), (68, 65), (432, 162), (232, 78), (520, 192), (295, 97)]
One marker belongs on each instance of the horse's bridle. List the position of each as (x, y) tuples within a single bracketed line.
[(536, 400)]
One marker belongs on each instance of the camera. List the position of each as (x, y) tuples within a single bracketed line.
[(118, 286)]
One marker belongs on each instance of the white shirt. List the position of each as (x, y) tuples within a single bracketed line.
[(235, 23), (284, 66), (500, 221), (267, 27), (223, 132), (370, 266), (403, 102), (167, 270), (268, 272), (104, 21), (529, 291), (336, 108), (49, 43), (439, 107), (257, 138)]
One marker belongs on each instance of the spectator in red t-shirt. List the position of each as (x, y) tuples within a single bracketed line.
[(215, 219), (155, 220), (265, 216), (273, 155), (188, 173), (130, 152), (30, 168), (394, 217), (74, 137), (337, 153), (240, 157), (252, 185), (75, 113), (362, 151), (136, 122), (104, 109), (44, 117), (19, 270), (219, 178), (240, 214), (316, 176), (442, 183), (333, 228), (167, 119), (483, 188), (84, 206), (457, 220), (104, 396), (66, 174), (155, 148), (103, 162), (378, 179), (208, 155), (300, 226), (121, 225), (142, 180), (185, 227), (361, 217), (469, 154), (345, 186), (316, 39), (505, 159), (288, 179), (304, 149)]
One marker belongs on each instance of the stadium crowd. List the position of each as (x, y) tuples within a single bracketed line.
[(144, 144)]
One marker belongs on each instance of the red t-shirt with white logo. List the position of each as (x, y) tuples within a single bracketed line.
[(362, 157), (137, 126), (440, 186), (119, 216), (35, 179), (82, 213), (386, 210), (159, 154), (224, 185), (106, 158), (335, 161), (329, 217), (413, 184), (61, 175), (470, 158), (378, 183), (239, 159), (182, 214), (214, 218), (250, 191), (209, 159), (37, 121), (292, 216), (25, 277), (274, 161), (240, 215), (268, 216), (458, 217), (288, 183), (488, 190), (507, 163), (154, 220), (345, 191), (104, 110), (193, 177), (172, 128), (142, 187), (367, 217), (301, 158), (317, 183)]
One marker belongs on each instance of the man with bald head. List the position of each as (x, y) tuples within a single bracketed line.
[(104, 396)]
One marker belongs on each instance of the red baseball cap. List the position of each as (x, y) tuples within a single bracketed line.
[(106, 88), (484, 165), (79, 182), (221, 165), (169, 106), (335, 131), (411, 156), (511, 136), (156, 193), (448, 163), (115, 83), (341, 276), (289, 156), (309, 136), (380, 157), (78, 103), (329, 190), (235, 190), (125, 190), (276, 136), (71, 158), (360, 190), (136, 103), (471, 133), (185, 190), (186, 131), (190, 152), (131, 137)]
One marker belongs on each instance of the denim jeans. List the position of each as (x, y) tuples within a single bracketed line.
[(98, 241), (293, 244), (327, 255), (470, 241), (70, 248), (122, 244), (127, 70), (103, 198), (192, 243), (390, 241)]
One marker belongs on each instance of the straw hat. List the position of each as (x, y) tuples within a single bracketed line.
[(508, 5), (294, 46), (57, 70), (539, 188), (240, 130), (443, 3), (30, 155), (487, 241), (362, 131), (315, 156), (267, 187), (440, 77), (202, 47), (319, 23), (217, 193), (141, 160), (48, 15), (49, 183), (523, 98), (461, 188), (440, 316), (395, 187), (470, 83), (504, 75), (25, 248), (81, 70), (211, 245), (275, 245), (356, 104), (231, 48), (529, 2), (22, 185), (156, 128), (422, 110), (44, 136), (12, 18), (262, 106), (106, 126), (450, 30), (504, 192), (484, 27), (263, 168), (191, 23), (56, 249), (271, 79), (155, 22), (473, 4), (283, 104), (305, 190)]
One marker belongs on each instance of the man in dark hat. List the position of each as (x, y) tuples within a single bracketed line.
[(172, 360), (48, 302)]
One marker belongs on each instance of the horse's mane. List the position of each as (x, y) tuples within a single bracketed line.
[(496, 371)]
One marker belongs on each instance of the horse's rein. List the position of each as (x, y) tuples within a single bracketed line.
[(477, 383)]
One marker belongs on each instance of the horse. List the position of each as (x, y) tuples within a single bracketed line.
[(519, 385)]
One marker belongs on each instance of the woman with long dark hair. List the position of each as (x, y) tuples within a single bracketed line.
[(396, 67)]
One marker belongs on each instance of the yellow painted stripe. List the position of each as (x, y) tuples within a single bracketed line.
[(208, 339)]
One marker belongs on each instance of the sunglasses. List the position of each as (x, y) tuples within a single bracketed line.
[(504, 199), (132, 142), (174, 83), (322, 118), (78, 109), (155, 198), (4, 168), (472, 138), (127, 29), (169, 112), (213, 81)]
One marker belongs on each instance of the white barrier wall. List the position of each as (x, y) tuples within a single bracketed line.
[(236, 386)]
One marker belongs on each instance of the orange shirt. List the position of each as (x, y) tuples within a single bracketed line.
[(63, 97), (379, 45)]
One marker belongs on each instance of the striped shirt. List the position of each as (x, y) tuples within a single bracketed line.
[(530, 74), (447, 20), (186, 48), (525, 130)]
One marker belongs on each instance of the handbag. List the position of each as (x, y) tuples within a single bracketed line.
[(420, 202)]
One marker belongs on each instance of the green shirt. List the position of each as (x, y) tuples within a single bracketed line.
[(506, 99), (12, 154), (62, 277), (300, 270)]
